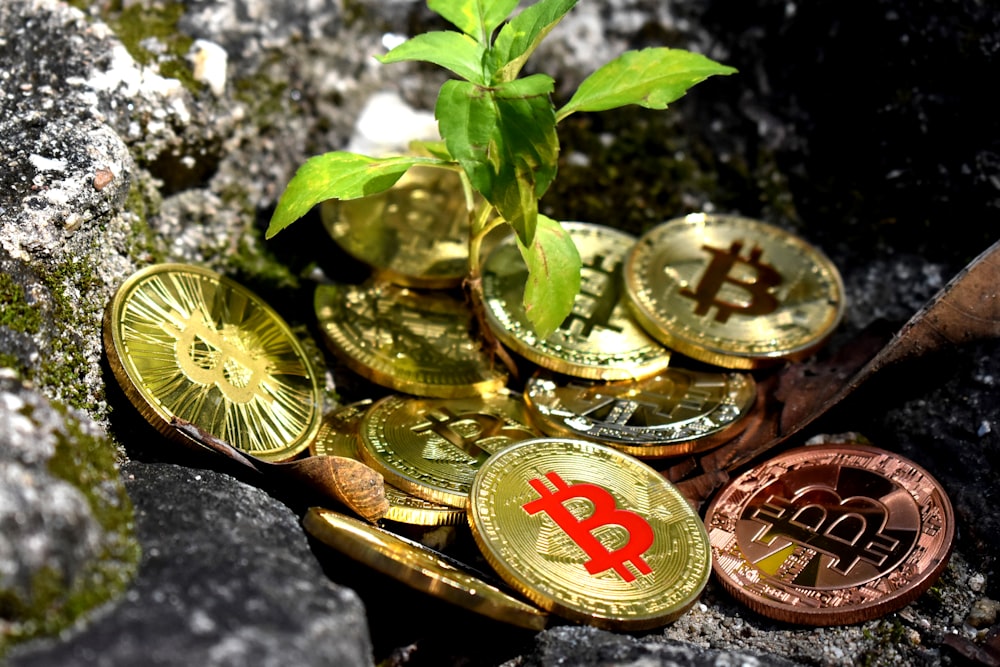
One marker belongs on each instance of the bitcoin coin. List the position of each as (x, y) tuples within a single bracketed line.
[(420, 568), (599, 340), (825, 535), (414, 342), (732, 291), (676, 412), (413, 234), (187, 343), (338, 436), (589, 533), (431, 448)]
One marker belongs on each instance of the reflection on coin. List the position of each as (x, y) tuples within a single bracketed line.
[(188, 343), (675, 412), (825, 535), (431, 448), (732, 291), (414, 234), (599, 340), (415, 342), (338, 436), (420, 568), (589, 533)]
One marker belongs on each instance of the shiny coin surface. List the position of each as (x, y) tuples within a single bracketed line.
[(675, 412), (414, 342), (420, 568), (826, 535), (338, 436), (431, 448), (599, 340), (589, 533), (413, 234), (188, 343), (732, 291)]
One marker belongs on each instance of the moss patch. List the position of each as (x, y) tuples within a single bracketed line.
[(15, 311)]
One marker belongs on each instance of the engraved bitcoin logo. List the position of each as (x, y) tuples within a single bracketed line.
[(474, 434), (848, 530), (605, 512), (719, 271), (599, 294), (225, 357)]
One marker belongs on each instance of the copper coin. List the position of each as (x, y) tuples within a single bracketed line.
[(829, 535)]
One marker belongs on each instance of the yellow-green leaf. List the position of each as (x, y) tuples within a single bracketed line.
[(553, 276)]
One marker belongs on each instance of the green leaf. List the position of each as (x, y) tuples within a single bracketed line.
[(338, 175), (436, 149), (519, 38), (452, 50), (467, 120), (553, 276), (652, 78), (476, 18)]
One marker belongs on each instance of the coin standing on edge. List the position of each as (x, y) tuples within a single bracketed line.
[(827, 535), (338, 436), (421, 568), (599, 340), (732, 291), (414, 342), (589, 533), (186, 342), (413, 234), (431, 448), (674, 413)]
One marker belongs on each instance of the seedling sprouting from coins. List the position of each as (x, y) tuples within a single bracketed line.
[(499, 134)]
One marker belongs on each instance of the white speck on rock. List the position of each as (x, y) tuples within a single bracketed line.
[(209, 62), (46, 164)]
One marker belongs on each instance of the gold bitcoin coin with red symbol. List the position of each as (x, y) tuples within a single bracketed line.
[(589, 533), (732, 291), (827, 535)]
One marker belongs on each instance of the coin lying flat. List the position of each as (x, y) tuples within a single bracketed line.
[(826, 535), (599, 339), (187, 343), (732, 291), (414, 342), (338, 436), (420, 568), (413, 234), (431, 448), (676, 412), (589, 533)]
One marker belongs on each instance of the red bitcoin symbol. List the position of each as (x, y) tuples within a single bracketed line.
[(605, 513)]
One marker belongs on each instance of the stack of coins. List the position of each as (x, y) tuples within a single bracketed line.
[(551, 478)]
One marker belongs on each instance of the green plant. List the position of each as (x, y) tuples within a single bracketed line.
[(499, 134)]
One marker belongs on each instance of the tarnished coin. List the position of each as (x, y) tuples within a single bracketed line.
[(415, 342), (826, 535), (420, 568), (431, 448), (732, 291), (188, 343), (413, 234), (599, 340), (589, 533), (338, 436), (676, 412)]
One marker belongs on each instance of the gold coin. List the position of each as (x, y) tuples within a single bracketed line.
[(188, 343), (830, 534), (420, 568), (732, 291), (431, 448), (590, 533), (415, 342), (413, 234), (338, 436), (599, 340), (673, 413)]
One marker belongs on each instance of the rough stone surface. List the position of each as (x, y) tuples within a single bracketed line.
[(126, 138)]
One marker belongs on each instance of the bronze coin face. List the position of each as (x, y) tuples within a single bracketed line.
[(828, 535)]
